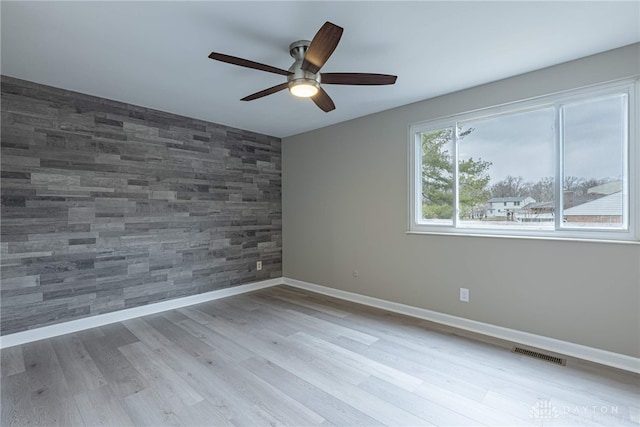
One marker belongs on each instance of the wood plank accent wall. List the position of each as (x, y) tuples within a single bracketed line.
[(107, 206)]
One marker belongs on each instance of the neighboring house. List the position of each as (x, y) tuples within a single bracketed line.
[(537, 212), (570, 199), (507, 207), (606, 189), (604, 210)]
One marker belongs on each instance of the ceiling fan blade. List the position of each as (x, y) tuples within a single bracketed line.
[(266, 92), (357, 79), (248, 64), (321, 47), (323, 101)]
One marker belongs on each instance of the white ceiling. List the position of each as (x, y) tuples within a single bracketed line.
[(154, 54)]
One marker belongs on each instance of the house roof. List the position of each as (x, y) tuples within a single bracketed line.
[(538, 205), (506, 199), (604, 206), (608, 188)]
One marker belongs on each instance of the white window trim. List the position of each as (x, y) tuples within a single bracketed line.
[(632, 186)]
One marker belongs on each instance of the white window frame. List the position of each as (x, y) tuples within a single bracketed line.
[(631, 234)]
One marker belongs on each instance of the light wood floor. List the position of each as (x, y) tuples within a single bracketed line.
[(282, 356)]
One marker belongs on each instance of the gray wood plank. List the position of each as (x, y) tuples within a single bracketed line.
[(431, 412), (107, 206), (275, 357), (178, 335), (146, 408), (146, 334), (77, 366), (55, 408), (16, 409), (115, 368), (357, 361), (336, 411), (172, 389), (11, 361), (328, 376), (214, 339), (202, 414), (269, 399), (43, 369), (201, 378), (101, 407)]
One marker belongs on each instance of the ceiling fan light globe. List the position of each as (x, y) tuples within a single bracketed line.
[(303, 88)]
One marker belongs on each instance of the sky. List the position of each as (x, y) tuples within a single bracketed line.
[(522, 144)]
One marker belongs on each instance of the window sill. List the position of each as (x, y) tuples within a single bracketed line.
[(525, 237)]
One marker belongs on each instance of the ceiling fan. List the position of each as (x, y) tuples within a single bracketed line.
[(303, 77)]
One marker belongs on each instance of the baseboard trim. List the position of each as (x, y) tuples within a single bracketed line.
[(604, 357), (128, 313), (615, 360)]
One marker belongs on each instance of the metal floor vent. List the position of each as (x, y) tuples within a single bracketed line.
[(541, 356)]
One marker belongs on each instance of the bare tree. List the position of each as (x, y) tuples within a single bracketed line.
[(572, 183), (511, 186), (542, 191)]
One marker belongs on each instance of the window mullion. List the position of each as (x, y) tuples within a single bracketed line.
[(559, 167), (627, 213), (415, 157), (456, 204)]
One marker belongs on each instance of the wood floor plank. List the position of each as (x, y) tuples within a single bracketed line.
[(358, 362), (250, 320), (210, 381), (429, 375), (178, 335), (201, 378), (484, 414), (52, 407), (269, 344), (116, 335), (16, 409), (160, 377), (242, 384), (146, 334), (202, 414), (146, 408), (101, 407), (11, 361), (306, 300), (331, 379), (458, 366), (286, 356), (321, 326), (433, 413), (115, 368), (214, 339), (43, 369), (197, 315), (76, 363), (335, 411)]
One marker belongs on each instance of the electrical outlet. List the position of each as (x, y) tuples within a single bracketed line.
[(259, 265), (464, 294)]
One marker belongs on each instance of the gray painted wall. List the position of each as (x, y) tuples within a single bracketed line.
[(108, 206), (345, 208)]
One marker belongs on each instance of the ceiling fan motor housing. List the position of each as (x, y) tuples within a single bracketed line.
[(297, 50)]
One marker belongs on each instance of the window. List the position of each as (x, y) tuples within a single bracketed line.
[(560, 166)]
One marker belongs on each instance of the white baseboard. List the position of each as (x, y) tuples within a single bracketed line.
[(128, 313), (579, 351), (616, 360)]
